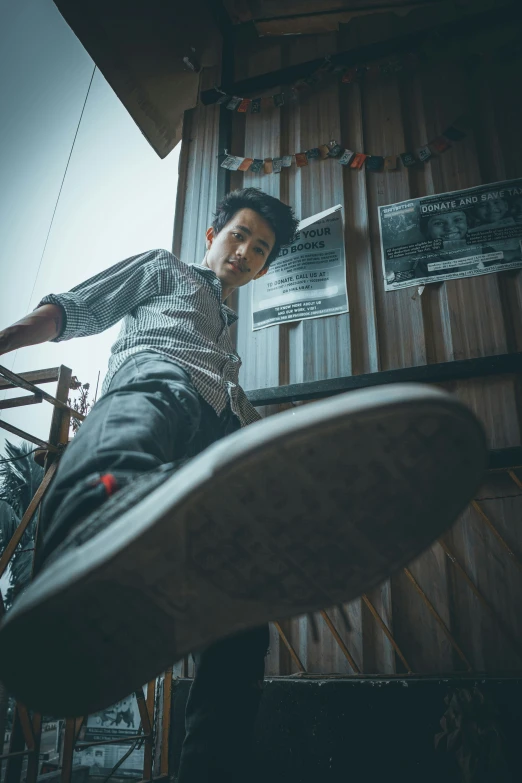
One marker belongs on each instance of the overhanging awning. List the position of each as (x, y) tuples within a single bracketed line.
[(151, 52)]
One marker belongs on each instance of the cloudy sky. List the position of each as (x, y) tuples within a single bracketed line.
[(118, 197)]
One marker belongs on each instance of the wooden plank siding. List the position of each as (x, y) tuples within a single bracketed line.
[(457, 319), (196, 204)]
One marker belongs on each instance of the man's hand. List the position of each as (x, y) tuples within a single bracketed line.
[(43, 324)]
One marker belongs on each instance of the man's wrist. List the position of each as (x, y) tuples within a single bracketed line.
[(6, 340)]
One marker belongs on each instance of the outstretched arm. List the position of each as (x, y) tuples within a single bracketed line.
[(43, 324), (92, 306)]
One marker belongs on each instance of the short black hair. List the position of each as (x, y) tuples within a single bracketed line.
[(280, 217)]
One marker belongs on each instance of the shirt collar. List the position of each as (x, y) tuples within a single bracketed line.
[(208, 273)]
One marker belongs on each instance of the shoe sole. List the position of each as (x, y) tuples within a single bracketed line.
[(297, 513)]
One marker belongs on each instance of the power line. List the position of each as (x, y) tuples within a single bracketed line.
[(56, 204), (22, 456), (61, 187)]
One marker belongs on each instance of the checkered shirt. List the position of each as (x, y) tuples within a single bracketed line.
[(167, 306)]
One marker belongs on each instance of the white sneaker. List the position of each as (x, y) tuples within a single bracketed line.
[(296, 513)]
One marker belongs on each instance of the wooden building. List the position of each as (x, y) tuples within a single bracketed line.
[(456, 608)]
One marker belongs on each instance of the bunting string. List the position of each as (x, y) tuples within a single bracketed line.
[(347, 157), (348, 75)]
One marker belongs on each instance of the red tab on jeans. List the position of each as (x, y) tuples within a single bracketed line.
[(109, 482)]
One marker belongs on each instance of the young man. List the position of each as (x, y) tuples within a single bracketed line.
[(150, 552)]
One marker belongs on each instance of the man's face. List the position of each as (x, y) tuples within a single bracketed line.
[(239, 252), (451, 226), (492, 210)]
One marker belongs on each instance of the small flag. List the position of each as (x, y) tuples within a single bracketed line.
[(257, 165), (327, 65), (361, 71), (313, 153), (267, 103), (287, 161), (277, 164), (374, 163), (300, 85), (335, 149), (314, 78), (268, 166), (234, 103), (244, 105), (224, 98), (408, 159), (424, 153), (440, 144), (358, 160), (255, 106), (232, 162), (454, 134), (349, 76), (301, 159), (396, 64), (346, 157), (390, 163), (246, 164), (324, 151), (279, 100), (373, 71)]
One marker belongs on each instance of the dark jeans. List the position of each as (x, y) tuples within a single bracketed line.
[(151, 415)]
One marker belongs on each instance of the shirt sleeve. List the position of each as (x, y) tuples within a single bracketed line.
[(103, 300), (249, 412)]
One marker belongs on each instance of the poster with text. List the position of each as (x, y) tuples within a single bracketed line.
[(120, 722), (452, 235), (308, 278)]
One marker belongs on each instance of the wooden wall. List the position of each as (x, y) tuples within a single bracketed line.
[(453, 320)]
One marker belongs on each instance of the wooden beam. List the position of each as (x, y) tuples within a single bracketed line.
[(165, 722), (148, 709), (455, 30), (227, 75), (17, 402), (503, 364), (238, 10), (26, 436), (24, 522), (505, 459), (61, 419), (34, 376), (17, 380), (328, 21), (275, 9)]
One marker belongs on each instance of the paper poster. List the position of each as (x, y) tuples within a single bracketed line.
[(308, 279), (452, 235), (120, 721)]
